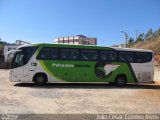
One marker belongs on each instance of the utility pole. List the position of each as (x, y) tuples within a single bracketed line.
[(125, 38), (136, 34)]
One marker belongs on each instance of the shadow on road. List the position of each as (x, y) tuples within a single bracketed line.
[(88, 86)]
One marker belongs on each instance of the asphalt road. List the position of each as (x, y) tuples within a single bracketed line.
[(26, 98)]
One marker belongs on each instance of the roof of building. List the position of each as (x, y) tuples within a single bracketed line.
[(81, 36)]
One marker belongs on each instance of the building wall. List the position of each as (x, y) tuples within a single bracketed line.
[(20, 42), (8, 48), (157, 74)]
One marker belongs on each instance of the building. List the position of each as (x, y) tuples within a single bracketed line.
[(77, 40), (13, 46), (1, 52), (8, 49), (20, 42), (119, 46), (1, 56)]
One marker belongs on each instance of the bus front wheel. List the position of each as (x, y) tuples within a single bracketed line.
[(120, 80), (40, 79)]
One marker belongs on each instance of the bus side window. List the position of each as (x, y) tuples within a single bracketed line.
[(109, 56), (69, 54), (54, 53), (28, 52), (113, 56), (44, 54), (141, 57), (48, 54), (91, 55), (126, 57)]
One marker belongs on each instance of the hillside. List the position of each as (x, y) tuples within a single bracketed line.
[(153, 44)]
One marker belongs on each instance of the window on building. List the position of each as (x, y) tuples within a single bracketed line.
[(60, 41), (71, 41), (65, 41), (9, 48)]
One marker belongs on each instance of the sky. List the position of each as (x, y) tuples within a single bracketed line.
[(41, 21)]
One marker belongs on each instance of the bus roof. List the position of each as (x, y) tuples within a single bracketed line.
[(86, 46), (132, 49)]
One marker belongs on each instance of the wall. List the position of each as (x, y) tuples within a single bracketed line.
[(12, 47), (157, 74)]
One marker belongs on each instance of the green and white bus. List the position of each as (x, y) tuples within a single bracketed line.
[(41, 63)]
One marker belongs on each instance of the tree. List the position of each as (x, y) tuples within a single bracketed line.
[(141, 35), (150, 34), (140, 38), (130, 42), (157, 33)]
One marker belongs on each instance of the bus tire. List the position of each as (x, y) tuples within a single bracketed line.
[(120, 80), (40, 79)]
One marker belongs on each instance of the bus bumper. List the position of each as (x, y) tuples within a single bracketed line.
[(11, 78)]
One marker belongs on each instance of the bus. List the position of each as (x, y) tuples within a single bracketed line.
[(42, 63)]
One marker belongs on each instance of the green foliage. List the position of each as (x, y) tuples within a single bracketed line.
[(130, 42), (150, 35), (149, 40), (3, 43), (157, 33), (140, 38)]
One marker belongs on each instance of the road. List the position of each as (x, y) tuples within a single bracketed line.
[(26, 98)]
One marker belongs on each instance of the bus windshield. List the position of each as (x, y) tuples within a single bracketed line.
[(18, 59), (22, 56)]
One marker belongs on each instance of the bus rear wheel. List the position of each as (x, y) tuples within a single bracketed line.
[(120, 80), (40, 79)]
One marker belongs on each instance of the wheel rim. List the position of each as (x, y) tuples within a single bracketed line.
[(40, 80), (120, 81)]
